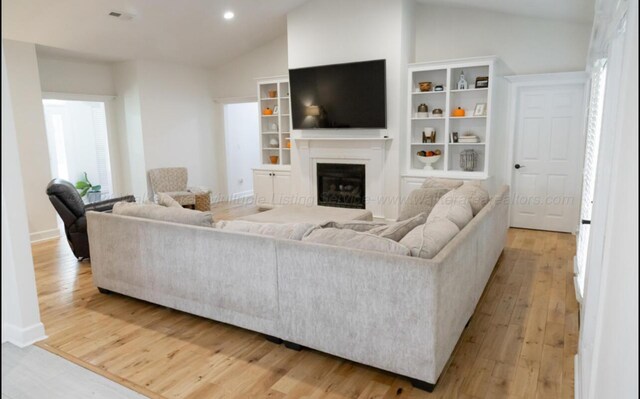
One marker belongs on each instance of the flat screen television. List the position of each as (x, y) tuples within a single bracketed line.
[(341, 96)]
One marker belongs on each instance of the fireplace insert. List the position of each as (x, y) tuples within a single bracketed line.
[(341, 185)]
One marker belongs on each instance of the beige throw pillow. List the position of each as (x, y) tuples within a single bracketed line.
[(397, 230), (436, 182), (168, 201), (421, 200), (290, 231), (427, 240), (355, 225), (454, 207), (354, 239), (477, 196), (166, 214)]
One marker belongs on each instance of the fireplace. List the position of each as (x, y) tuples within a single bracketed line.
[(341, 185)]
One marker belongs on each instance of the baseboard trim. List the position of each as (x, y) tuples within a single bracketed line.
[(240, 195), (44, 235), (22, 337), (577, 377)]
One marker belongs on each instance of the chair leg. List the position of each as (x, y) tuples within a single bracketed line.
[(273, 339), (423, 385), (294, 346)]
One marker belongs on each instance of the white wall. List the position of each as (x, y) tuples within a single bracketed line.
[(242, 143), (326, 32), (26, 97), (76, 76), (237, 77), (608, 349), (526, 44), (177, 123), (20, 313)]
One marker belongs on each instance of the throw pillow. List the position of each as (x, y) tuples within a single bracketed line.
[(356, 225), (290, 231), (477, 196), (397, 230), (168, 201), (435, 182), (427, 240), (454, 207), (421, 200), (357, 240), (165, 214)]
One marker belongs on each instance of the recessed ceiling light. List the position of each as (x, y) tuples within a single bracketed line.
[(229, 15)]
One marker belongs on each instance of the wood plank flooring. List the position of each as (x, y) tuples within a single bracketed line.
[(520, 342)]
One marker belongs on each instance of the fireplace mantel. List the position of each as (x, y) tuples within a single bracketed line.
[(342, 138)]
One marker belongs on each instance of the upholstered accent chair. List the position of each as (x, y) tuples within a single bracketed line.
[(68, 203), (173, 182)]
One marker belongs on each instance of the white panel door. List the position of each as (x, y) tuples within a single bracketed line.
[(547, 158), (281, 188)]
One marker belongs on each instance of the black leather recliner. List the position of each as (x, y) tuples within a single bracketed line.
[(69, 205)]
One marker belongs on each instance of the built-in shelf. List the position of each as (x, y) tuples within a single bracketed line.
[(277, 125), (467, 90), (466, 143), (342, 138), (469, 117), (428, 118), (415, 93), (429, 144)]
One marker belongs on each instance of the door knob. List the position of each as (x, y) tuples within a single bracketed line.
[(518, 166)]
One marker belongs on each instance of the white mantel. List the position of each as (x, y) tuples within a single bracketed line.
[(368, 151)]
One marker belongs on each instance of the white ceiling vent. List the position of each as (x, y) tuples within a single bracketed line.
[(121, 15)]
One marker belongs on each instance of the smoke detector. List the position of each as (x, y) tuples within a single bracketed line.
[(125, 16)]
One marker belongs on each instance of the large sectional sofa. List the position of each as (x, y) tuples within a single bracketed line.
[(403, 314)]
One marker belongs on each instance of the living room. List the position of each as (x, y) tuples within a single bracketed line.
[(522, 108)]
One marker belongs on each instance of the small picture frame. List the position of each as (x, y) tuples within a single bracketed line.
[(482, 82), (275, 110), (480, 110), (454, 137)]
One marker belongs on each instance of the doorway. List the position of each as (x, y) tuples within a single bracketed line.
[(78, 141), (242, 146), (547, 158)]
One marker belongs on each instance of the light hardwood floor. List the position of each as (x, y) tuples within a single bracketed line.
[(520, 342)]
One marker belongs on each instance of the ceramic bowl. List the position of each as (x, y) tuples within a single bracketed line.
[(428, 161)]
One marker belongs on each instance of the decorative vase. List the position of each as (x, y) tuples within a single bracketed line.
[(468, 160), (273, 142), (94, 196), (272, 93), (462, 82), (458, 112), (273, 159), (425, 86)]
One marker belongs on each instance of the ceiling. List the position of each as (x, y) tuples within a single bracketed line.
[(568, 10), (186, 31), (193, 31)]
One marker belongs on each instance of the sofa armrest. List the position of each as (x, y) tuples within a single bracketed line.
[(107, 205)]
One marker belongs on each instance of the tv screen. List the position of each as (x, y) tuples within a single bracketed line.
[(341, 96)]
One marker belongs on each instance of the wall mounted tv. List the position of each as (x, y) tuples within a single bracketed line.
[(341, 96)]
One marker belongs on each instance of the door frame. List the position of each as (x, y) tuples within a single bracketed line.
[(516, 83)]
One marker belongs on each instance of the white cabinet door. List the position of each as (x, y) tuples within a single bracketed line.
[(263, 187), (547, 158), (281, 188)]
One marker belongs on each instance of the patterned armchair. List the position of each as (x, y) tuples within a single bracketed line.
[(172, 181)]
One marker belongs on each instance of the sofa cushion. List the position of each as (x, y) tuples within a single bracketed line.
[(436, 182), (166, 214), (358, 240), (454, 207), (427, 240), (477, 196), (355, 225), (421, 200), (168, 201), (395, 231), (291, 231)]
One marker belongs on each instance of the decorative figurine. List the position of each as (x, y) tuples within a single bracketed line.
[(462, 82)]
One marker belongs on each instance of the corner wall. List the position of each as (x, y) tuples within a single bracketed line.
[(26, 97)]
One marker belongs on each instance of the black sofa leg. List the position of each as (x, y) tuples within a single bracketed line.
[(104, 291), (425, 386), (273, 339), (293, 346), (468, 322)]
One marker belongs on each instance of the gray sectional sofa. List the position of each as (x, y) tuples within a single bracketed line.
[(402, 314)]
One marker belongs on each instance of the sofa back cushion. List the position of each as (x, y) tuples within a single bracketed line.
[(358, 240), (454, 207), (355, 225), (475, 194), (168, 201), (427, 240), (421, 200), (437, 182), (290, 231), (165, 214)]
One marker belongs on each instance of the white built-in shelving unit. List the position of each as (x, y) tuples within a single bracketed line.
[(272, 93), (447, 74)]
